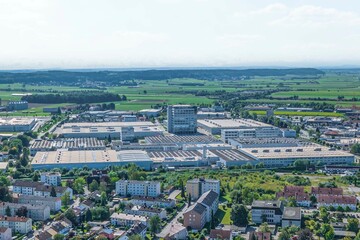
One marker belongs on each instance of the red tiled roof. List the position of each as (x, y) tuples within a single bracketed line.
[(327, 191), (328, 199), (220, 233)]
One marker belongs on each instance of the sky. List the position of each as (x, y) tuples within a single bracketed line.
[(63, 34)]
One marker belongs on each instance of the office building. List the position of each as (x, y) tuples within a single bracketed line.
[(181, 119), (138, 188), (260, 132), (199, 186), (291, 217), (267, 211)]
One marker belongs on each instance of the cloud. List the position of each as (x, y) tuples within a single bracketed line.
[(317, 16)]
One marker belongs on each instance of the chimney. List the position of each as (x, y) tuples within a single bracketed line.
[(204, 154)]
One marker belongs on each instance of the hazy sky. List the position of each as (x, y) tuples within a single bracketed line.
[(181, 33)]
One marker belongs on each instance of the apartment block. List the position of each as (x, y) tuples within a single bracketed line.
[(51, 178), (54, 203), (16, 224), (35, 212), (197, 187), (138, 188)]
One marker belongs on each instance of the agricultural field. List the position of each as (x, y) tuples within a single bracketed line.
[(182, 91)]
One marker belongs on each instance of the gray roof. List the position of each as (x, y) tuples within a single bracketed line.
[(266, 204), (197, 207), (208, 198), (292, 213)]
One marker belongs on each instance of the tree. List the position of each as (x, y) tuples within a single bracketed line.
[(59, 237), (305, 234), (182, 188), (65, 199), (313, 199), (8, 211), (189, 199), (36, 176), (155, 224), (70, 214), (93, 186), (239, 215), (52, 192), (79, 184), (292, 202), (284, 235), (88, 215), (352, 225), (5, 195), (21, 212), (236, 196), (135, 237), (324, 215), (264, 227), (327, 231), (103, 199)]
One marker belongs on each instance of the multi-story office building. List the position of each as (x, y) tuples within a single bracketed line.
[(16, 224), (182, 119), (267, 211), (17, 105), (51, 178), (197, 187), (138, 188)]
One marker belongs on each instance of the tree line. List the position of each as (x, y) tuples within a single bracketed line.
[(79, 97)]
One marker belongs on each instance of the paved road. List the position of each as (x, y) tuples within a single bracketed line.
[(167, 228), (174, 194)]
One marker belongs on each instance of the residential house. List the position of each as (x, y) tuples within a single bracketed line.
[(196, 187), (153, 201), (315, 191), (51, 178), (176, 231), (123, 219), (53, 202), (216, 234), (138, 188), (146, 211), (137, 229), (5, 233), (337, 201)]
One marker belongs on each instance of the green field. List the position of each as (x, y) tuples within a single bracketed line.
[(177, 91)]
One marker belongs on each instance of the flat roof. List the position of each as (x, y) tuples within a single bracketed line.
[(231, 155), (232, 123), (183, 139), (107, 129), (16, 121), (294, 152), (280, 140), (89, 156), (293, 213), (107, 124)]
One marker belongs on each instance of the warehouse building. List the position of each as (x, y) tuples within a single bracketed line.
[(71, 144), (266, 142), (93, 159), (285, 156), (181, 140), (150, 112), (261, 132), (214, 126), (120, 145), (232, 158), (17, 124), (126, 131), (17, 105)]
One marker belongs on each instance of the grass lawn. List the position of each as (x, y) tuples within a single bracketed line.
[(223, 215)]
